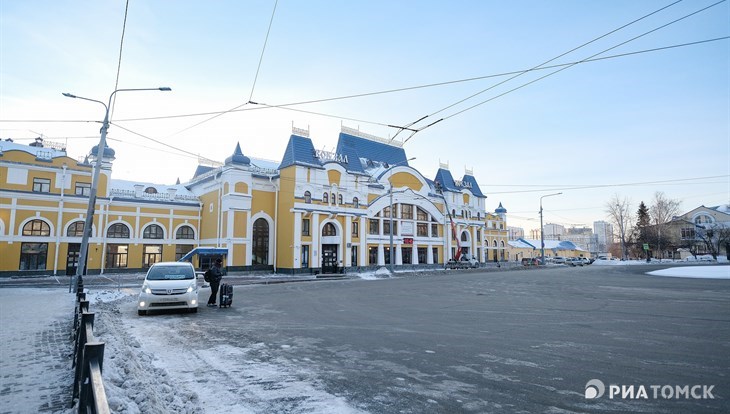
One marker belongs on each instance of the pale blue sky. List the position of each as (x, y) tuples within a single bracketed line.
[(661, 116)]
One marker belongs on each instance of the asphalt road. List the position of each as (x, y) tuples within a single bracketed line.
[(517, 341)]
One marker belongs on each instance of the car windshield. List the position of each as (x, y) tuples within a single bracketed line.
[(170, 273)]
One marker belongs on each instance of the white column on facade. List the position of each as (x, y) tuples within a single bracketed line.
[(381, 255), (362, 257), (348, 241), (429, 254), (473, 248), (414, 253), (398, 253), (316, 254), (297, 240)]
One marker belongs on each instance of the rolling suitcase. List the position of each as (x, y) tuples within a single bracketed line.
[(226, 295)]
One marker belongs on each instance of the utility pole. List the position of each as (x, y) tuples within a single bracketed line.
[(542, 236)]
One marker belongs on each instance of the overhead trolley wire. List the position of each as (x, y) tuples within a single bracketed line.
[(571, 65)]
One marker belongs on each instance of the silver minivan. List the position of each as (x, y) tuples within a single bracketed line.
[(169, 285)]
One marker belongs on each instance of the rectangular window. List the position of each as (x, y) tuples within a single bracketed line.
[(41, 185), (386, 254), (181, 250), (422, 255), (305, 256), (386, 227), (83, 189), (116, 255), (355, 229), (372, 255), (407, 254), (33, 256), (435, 255), (688, 233), (406, 211), (305, 227), (422, 229), (353, 257), (386, 212), (434, 230), (374, 227), (152, 253), (421, 215)]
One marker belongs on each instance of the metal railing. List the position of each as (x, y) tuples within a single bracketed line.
[(88, 360)]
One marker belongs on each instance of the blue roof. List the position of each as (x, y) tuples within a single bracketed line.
[(444, 178), (500, 209), (238, 157), (299, 151), (356, 148), (474, 186), (202, 169)]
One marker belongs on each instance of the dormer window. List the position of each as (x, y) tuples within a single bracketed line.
[(325, 198), (307, 197), (150, 190)]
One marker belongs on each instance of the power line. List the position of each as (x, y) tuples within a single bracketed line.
[(569, 66), (263, 49), (119, 62), (584, 187), (424, 86)]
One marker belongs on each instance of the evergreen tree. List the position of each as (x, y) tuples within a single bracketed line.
[(643, 224)]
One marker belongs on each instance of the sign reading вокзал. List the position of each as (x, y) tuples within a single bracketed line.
[(596, 389)]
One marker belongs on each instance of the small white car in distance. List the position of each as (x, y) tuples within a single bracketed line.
[(169, 285)]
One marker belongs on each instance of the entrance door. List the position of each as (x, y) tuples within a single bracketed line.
[(72, 258), (329, 258)]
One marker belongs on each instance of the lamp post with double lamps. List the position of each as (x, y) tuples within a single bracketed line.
[(390, 191), (81, 267), (542, 236)]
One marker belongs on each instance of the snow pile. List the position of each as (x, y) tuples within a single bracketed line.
[(696, 272), (381, 273)]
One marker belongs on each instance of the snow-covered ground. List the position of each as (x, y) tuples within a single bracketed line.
[(145, 365)]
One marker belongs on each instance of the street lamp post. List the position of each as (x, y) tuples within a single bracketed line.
[(542, 236), (390, 191), (81, 267)]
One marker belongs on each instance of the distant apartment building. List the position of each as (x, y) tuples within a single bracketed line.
[(553, 231), (516, 232), (604, 235), (581, 237)]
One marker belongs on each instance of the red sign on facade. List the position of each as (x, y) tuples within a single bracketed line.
[(407, 240)]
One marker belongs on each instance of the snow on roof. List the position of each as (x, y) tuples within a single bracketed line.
[(45, 152)]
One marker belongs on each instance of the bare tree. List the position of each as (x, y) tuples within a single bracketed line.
[(619, 212), (714, 235), (662, 210)]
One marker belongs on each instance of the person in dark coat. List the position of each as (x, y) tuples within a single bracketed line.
[(216, 274)]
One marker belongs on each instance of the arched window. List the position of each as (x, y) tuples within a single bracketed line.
[(185, 232), (118, 231), (464, 237), (150, 190), (76, 229), (307, 197), (325, 198), (453, 212), (339, 199), (153, 231), (495, 243), (334, 200), (703, 219), (260, 246), (329, 229), (502, 243), (356, 202), (36, 228)]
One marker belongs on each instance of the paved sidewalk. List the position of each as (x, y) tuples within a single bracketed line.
[(36, 350)]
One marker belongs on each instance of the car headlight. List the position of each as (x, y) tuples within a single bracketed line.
[(146, 289)]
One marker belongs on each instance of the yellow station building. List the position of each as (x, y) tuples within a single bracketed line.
[(313, 212)]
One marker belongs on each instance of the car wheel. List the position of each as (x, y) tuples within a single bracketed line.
[(141, 312)]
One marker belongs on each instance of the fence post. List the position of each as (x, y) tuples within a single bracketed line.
[(86, 318), (92, 392)]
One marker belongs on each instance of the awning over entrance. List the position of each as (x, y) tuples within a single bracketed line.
[(204, 251)]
